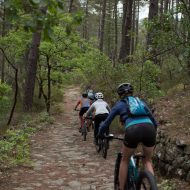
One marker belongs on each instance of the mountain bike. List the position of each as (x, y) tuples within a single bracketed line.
[(84, 130), (137, 179), (85, 127), (103, 146)]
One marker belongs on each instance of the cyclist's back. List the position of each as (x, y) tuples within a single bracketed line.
[(101, 110), (138, 129), (100, 107), (84, 103)]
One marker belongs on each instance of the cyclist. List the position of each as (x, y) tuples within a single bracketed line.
[(138, 129), (84, 103), (101, 109)]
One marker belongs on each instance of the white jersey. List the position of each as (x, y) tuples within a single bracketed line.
[(99, 106)]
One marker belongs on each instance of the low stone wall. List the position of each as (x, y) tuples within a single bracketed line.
[(172, 157)]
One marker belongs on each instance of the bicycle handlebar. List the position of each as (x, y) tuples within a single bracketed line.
[(89, 117), (111, 137)]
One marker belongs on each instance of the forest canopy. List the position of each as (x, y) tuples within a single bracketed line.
[(48, 44)]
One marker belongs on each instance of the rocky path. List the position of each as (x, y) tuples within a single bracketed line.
[(62, 160)]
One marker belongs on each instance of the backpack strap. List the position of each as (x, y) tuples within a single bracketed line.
[(126, 100)]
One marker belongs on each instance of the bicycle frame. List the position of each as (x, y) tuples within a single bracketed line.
[(85, 126), (135, 177), (84, 130)]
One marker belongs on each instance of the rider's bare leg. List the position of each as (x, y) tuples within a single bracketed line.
[(147, 161), (126, 154)]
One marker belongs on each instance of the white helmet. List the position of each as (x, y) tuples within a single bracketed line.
[(99, 95)]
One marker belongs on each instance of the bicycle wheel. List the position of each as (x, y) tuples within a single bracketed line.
[(98, 145), (105, 148), (84, 131), (146, 181), (116, 171)]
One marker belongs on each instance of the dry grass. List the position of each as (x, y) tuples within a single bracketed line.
[(173, 113)]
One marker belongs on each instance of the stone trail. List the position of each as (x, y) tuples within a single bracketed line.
[(61, 160)]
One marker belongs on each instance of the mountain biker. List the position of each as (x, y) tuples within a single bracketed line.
[(101, 110), (84, 103), (138, 129)]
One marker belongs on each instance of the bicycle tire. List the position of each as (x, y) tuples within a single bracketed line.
[(84, 132), (105, 148), (146, 181), (116, 171), (98, 145)]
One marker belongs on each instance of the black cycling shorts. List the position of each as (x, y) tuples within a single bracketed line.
[(83, 110), (144, 133)]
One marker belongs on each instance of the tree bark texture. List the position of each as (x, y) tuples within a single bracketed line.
[(85, 25), (15, 97), (137, 24), (2, 59), (161, 7), (31, 71), (166, 6), (102, 26), (133, 27), (153, 12), (116, 33), (70, 6), (49, 84), (126, 28)]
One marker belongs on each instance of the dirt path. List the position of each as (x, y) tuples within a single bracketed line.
[(62, 160)]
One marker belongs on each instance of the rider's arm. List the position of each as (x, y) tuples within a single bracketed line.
[(77, 104), (90, 110), (108, 108), (114, 111)]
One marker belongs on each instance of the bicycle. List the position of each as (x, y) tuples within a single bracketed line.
[(102, 145), (136, 179), (83, 129)]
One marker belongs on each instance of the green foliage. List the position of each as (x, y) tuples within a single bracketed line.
[(44, 117), (5, 100), (14, 147), (15, 44), (166, 185), (171, 44), (145, 79), (36, 121), (35, 14), (96, 69)]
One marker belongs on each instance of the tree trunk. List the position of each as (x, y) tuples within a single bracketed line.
[(153, 12), (2, 59), (161, 7), (109, 32), (116, 33), (177, 3), (31, 71), (137, 24), (126, 28), (49, 85), (16, 86), (15, 97), (102, 26), (188, 62), (70, 6), (133, 27), (166, 6), (85, 25)]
